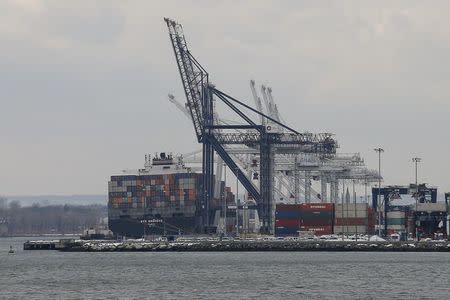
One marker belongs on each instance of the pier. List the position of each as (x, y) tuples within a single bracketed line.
[(252, 246), (45, 244)]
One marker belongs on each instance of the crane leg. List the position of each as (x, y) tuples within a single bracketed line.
[(323, 189)]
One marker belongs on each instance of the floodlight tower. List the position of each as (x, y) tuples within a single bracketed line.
[(416, 161), (379, 151)]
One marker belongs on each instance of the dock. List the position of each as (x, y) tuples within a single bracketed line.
[(254, 246), (46, 244)]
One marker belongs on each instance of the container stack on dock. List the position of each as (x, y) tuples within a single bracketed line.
[(287, 219), (351, 218), (313, 218), (396, 221), (317, 218)]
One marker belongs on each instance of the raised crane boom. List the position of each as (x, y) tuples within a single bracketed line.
[(193, 76), (183, 109), (257, 102), (273, 105)]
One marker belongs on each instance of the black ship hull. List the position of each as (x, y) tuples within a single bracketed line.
[(134, 228)]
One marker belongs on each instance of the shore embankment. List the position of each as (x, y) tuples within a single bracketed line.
[(242, 246)]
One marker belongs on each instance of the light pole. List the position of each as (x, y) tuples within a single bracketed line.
[(416, 161), (237, 201), (379, 151), (225, 200), (354, 200), (365, 190)]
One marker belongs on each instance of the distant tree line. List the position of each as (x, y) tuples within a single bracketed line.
[(60, 219)]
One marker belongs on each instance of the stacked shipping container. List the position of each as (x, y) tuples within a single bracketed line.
[(316, 218), (287, 219), (351, 218), (396, 221), (165, 195), (169, 198)]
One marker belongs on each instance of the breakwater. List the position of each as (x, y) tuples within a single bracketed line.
[(208, 246)]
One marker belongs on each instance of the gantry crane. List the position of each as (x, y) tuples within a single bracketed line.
[(199, 96), (289, 182)]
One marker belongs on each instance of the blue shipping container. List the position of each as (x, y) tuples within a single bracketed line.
[(288, 215), (286, 232)]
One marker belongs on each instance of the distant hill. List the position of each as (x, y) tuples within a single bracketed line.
[(44, 200)]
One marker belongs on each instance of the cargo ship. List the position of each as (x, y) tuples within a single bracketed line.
[(164, 198)]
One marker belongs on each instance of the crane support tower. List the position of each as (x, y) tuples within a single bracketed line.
[(199, 96)]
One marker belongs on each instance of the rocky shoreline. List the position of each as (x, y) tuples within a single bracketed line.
[(254, 246)]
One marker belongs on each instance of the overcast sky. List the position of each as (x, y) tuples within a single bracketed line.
[(84, 84)]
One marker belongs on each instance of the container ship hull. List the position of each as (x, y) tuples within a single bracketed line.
[(134, 228)]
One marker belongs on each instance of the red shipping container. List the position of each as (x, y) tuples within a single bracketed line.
[(309, 207), (289, 207), (318, 230), (316, 222), (350, 221), (287, 223)]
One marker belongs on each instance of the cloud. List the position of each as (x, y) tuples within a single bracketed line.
[(98, 73)]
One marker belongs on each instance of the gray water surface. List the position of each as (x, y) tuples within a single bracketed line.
[(257, 275)]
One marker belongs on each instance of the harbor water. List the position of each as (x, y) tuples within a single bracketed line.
[(221, 275)]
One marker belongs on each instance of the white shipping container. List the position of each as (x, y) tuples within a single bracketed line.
[(396, 227), (350, 229), (351, 206), (395, 215), (351, 214), (429, 207)]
